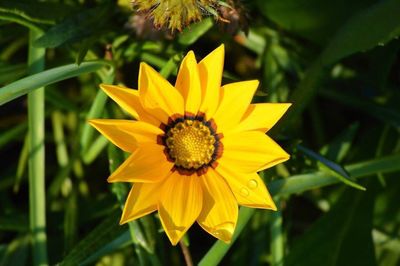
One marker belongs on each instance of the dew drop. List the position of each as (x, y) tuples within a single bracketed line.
[(252, 184), (244, 192)]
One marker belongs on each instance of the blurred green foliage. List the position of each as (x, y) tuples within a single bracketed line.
[(337, 61)]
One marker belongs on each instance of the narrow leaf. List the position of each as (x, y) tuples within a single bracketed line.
[(30, 83)]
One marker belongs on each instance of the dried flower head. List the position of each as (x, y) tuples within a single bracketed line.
[(175, 14)]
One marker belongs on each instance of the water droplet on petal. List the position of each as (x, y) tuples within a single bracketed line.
[(244, 192), (252, 184)]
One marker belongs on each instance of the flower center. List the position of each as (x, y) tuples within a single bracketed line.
[(191, 144)]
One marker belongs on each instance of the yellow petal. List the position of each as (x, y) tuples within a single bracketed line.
[(188, 83), (180, 204), (157, 95), (210, 70), (142, 200), (262, 116), (235, 100), (128, 99), (148, 164), (220, 210), (127, 134), (251, 151), (249, 189)]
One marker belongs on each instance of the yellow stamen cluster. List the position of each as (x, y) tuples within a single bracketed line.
[(191, 144)]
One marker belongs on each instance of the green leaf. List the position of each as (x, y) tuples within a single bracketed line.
[(193, 32), (76, 27), (83, 49), (335, 169), (20, 20), (36, 11), (44, 78), (341, 237), (312, 19), (95, 111), (367, 29)]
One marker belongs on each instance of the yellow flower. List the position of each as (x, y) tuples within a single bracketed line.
[(196, 147)]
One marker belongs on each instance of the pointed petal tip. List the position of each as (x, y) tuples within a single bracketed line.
[(285, 157), (224, 233), (110, 179), (122, 221), (174, 235), (145, 67), (286, 105), (174, 240), (109, 89), (191, 54), (256, 82), (271, 205), (220, 49), (125, 219)]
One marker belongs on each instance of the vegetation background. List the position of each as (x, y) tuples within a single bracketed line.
[(337, 61)]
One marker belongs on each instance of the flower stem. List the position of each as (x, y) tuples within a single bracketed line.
[(277, 241), (186, 254), (37, 205)]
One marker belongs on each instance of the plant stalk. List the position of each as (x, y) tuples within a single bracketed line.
[(37, 198), (277, 239)]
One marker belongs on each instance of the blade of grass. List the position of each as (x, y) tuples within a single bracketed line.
[(95, 111), (328, 165), (95, 149), (12, 134), (47, 77), (191, 34), (277, 240), (58, 132), (379, 151), (37, 198)]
